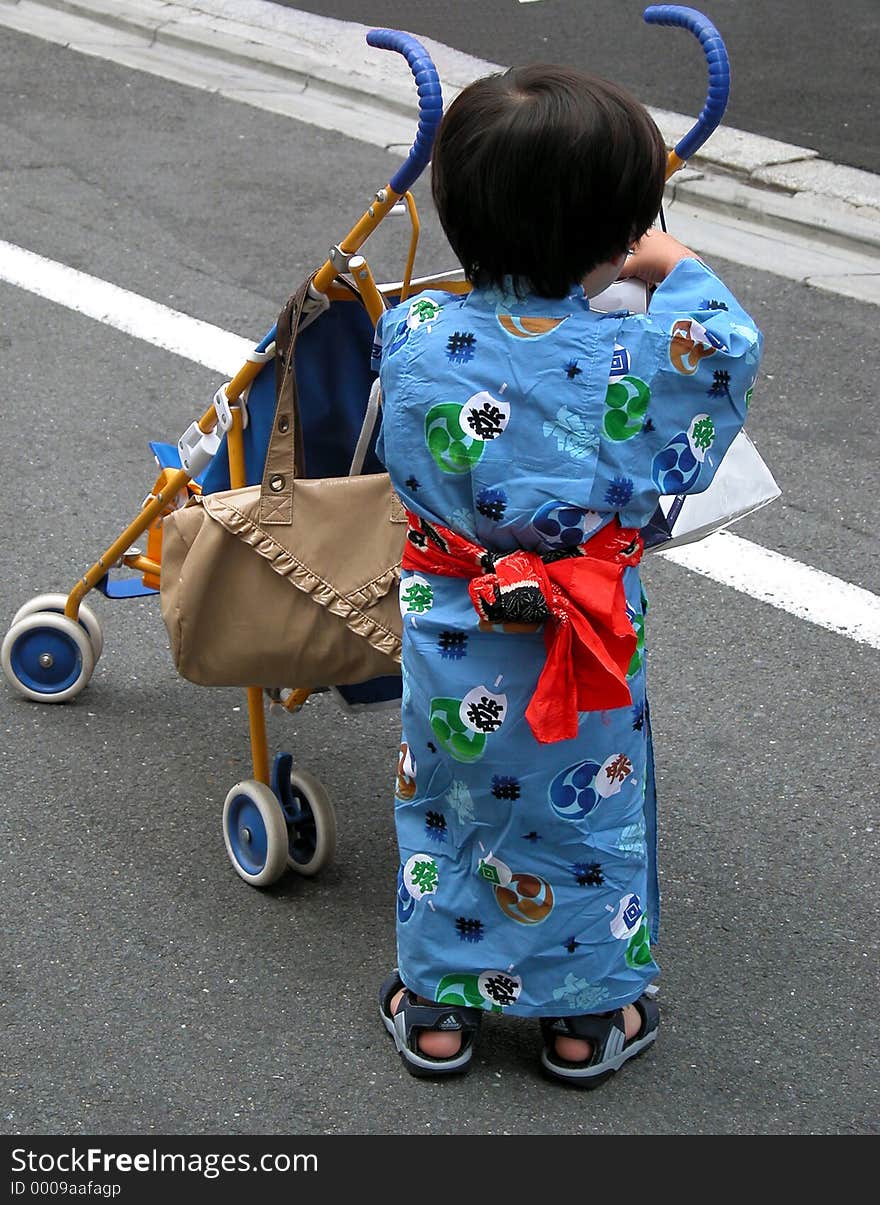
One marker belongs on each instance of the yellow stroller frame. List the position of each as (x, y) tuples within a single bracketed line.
[(279, 818)]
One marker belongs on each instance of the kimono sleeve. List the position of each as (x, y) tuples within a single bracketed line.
[(708, 353)]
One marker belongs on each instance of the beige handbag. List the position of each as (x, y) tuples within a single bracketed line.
[(291, 583)]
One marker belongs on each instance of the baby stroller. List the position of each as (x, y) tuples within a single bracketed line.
[(282, 817)]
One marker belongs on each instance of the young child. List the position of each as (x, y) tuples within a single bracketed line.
[(529, 437)]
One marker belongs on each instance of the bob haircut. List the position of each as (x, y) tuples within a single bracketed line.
[(540, 173)]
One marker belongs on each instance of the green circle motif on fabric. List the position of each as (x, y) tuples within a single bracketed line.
[(626, 404), (452, 449), (457, 739), (463, 989), (638, 950), (638, 623)]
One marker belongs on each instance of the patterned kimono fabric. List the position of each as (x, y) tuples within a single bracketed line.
[(530, 439)]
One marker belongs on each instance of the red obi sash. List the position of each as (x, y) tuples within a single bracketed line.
[(578, 597)]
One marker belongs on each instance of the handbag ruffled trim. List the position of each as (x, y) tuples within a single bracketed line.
[(349, 607)]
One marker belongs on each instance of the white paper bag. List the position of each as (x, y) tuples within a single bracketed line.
[(742, 484)]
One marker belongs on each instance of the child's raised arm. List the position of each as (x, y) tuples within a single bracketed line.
[(654, 256)]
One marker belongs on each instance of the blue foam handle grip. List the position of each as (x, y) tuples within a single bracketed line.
[(430, 101), (716, 60)]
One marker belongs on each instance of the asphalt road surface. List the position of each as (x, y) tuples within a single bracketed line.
[(146, 989), (802, 71)]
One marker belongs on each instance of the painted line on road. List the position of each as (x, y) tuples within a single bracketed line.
[(810, 594), (128, 312), (785, 583)]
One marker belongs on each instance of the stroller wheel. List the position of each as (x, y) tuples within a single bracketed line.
[(56, 603), (255, 833), (47, 657), (311, 824)]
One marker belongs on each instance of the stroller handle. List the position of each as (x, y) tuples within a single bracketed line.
[(430, 101), (719, 74), (430, 112)]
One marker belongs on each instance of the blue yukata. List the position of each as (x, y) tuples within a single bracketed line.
[(528, 875)]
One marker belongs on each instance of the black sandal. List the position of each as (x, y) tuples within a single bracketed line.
[(606, 1032), (413, 1017)]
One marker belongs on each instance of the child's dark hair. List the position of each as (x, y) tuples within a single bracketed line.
[(542, 173)]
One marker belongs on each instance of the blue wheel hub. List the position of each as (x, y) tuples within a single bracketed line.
[(247, 834), (45, 660)]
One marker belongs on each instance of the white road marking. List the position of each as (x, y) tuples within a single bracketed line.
[(791, 586), (130, 313), (807, 593)]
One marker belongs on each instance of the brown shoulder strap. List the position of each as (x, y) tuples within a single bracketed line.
[(284, 455)]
